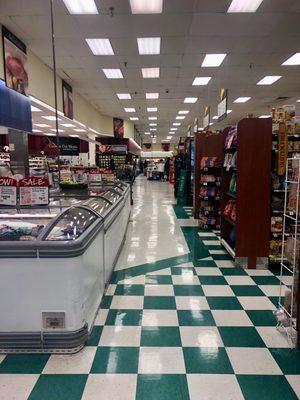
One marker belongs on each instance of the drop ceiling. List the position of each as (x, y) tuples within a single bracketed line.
[(256, 45)]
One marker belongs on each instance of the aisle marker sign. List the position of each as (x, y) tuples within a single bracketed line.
[(206, 119), (8, 191), (222, 106), (282, 148)]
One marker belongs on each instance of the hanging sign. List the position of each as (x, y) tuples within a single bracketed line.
[(8, 191), (189, 131), (282, 148), (206, 119), (222, 106), (67, 92), (34, 191), (196, 123), (118, 124)]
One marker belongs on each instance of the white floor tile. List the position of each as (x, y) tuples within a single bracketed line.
[(111, 290), (127, 302), (186, 279), (165, 271), (160, 318), (184, 265), (231, 318), (16, 386), (287, 280), (239, 280), (212, 243), (120, 336), (161, 360), (2, 357), (214, 387), (191, 303), (159, 290), (218, 252), (206, 234), (207, 271), (217, 290), (273, 290), (110, 387), (258, 272), (200, 336), (101, 316), (273, 337), (79, 363), (224, 263), (294, 381), (252, 361), (256, 303), (135, 280)]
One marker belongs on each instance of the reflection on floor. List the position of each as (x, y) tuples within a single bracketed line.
[(190, 326)]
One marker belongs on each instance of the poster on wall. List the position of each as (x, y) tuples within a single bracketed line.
[(15, 62), (67, 92), (118, 128)]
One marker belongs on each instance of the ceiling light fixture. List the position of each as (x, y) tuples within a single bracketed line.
[(244, 6), (150, 96), (169, 137), (79, 130), (201, 81), (174, 129), (213, 60), (215, 117), (265, 116), (36, 130), (147, 133), (183, 112), (42, 125), (152, 124), (133, 118), (68, 125), (152, 118), (242, 99), (74, 135), (180, 117), (100, 47), (51, 118), (59, 130), (229, 111), (152, 109), (149, 46), (146, 6), (81, 6), (269, 80), (150, 72), (153, 129), (35, 109), (124, 96), (190, 100), (177, 123), (129, 109), (294, 60), (112, 73), (49, 134)]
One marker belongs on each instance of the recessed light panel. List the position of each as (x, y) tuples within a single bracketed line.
[(269, 80), (294, 60), (244, 6), (51, 118), (265, 116), (152, 118), (153, 124), (146, 6), (152, 109), (215, 117), (150, 96), (113, 73), (124, 96), (176, 123), (79, 130), (183, 112), (42, 125), (201, 81), (68, 125), (81, 6), (174, 129), (229, 111), (242, 99), (213, 60), (35, 109), (36, 130), (59, 130), (149, 46), (129, 109), (133, 118), (74, 135), (147, 133), (100, 47), (180, 117), (190, 99), (153, 129), (150, 72)]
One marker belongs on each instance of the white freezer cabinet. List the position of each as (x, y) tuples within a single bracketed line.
[(53, 270)]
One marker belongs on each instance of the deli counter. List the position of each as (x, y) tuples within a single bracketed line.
[(55, 262)]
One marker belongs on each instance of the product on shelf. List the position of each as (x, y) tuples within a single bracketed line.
[(230, 160), (276, 224), (231, 138), (232, 185), (208, 191), (208, 162)]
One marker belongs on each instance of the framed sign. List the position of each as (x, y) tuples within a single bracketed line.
[(67, 92), (68, 146), (8, 191), (206, 119), (222, 106), (34, 191), (118, 128), (15, 62)]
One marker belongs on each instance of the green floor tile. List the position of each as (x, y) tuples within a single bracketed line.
[(95, 336), (159, 303), (182, 270), (195, 318), (130, 290), (116, 360), (160, 336), (162, 387), (247, 290), (240, 337), (262, 317), (224, 303), (204, 263), (233, 271), (275, 299), (159, 279), (266, 387), (124, 317), (106, 301), (180, 212), (206, 360), (59, 387), (288, 360), (212, 280), (188, 290), (266, 280), (23, 363)]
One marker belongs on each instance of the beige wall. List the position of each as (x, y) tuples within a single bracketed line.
[(128, 129)]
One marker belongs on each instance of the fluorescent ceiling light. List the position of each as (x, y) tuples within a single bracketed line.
[(169, 137), (35, 109), (81, 6), (298, 101), (68, 125), (79, 130), (153, 129), (150, 72), (152, 109), (113, 73), (152, 118), (51, 118), (146, 6), (171, 133), (265, 116), (294, 60), (74, 135), (215, 117), (201, 81), (269, 80), (149, 46), (152, 124), (242, 99), (229, 111), (129, 109), (190, 99), (133, 118), (150, 96), (244, 6), (36, 130), (176, 123), (100, 47), (124, 96), (213, 60), (49, 134), (174, 129), (42, 125), (147, 133), (211, 123), (180, 117), (59, 130), (183, 112)]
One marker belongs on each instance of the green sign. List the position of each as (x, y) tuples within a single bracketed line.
[(181, 194)]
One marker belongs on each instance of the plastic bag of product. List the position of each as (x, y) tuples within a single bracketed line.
[(289, 250)]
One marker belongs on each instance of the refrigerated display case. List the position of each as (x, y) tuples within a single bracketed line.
[(55, 262)]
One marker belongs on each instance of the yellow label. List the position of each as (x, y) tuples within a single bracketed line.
[(282, 148)]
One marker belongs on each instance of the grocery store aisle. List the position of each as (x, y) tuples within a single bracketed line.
[(187, 327)]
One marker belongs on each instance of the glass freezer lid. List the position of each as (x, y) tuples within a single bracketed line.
[(111, 196), (97, 204)]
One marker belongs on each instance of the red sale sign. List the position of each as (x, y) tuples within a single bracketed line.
[(8, 191), (33, 181), (34, 191)]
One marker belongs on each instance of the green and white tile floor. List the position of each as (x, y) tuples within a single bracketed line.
[(189, 327)]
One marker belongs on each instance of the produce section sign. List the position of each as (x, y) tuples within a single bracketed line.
[(282, 148), (118, 128), (34, 191), (15, 62), (67, 92), (8, 191)]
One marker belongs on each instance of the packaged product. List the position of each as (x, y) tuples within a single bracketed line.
[(276, 224)]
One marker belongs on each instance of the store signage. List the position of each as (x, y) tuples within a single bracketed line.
[(68, 146), (118, 128), (222, 106), (189, 131), (282, 148), (113, 149), (15, 62), (67, 92), (8, 191), (34, 191), (196, 123), (206, 119)]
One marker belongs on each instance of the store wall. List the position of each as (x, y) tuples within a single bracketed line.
[(128, 129)]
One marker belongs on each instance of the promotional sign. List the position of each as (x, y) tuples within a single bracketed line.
[(118, 128), (67, 92), (68, 146), (282, 148), (222, 106), (113, 149), (206, 119), (8, 191), (34, 191), (15, 62), (196, 123)]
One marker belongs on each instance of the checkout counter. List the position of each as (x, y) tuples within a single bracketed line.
[(55, 262)]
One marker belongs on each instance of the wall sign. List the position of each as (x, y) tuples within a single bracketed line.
[(8, 191), (206, 119), (222, 106), (118, 128), (67, 92), (282, 148), (34, 191)]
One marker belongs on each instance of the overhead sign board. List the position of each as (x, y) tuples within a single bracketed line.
[(222, 106)]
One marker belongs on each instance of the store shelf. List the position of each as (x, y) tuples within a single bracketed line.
[(210, 184), (211, 198), (228, 248)]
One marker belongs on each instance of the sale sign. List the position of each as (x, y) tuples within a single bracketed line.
[(34, 191), (8, 191)]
